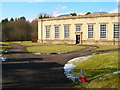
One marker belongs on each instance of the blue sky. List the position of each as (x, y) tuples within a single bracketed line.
[(31, 10)]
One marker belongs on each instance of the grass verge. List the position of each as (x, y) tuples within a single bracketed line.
[(106, 47), (49, 48), (96, 66), (5, 46), (54, 48)]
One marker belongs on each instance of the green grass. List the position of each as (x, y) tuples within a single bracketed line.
[(49, 48), (106, 47), (101, 47), (54, 48), (29, 43), (96, 66), (5, 46)]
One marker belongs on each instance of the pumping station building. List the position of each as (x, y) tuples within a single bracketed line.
[(102, 29)]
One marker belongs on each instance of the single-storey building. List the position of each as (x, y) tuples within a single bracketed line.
[(90, 29)]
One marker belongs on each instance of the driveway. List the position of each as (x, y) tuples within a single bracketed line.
[(27, 70)]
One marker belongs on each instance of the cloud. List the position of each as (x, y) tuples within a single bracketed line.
[(115, 11), (64, 7), (31, 19), (58, 10), (81, 13)]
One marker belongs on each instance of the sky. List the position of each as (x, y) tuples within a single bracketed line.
[(31, 9)]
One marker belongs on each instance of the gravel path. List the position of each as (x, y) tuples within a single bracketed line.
[(27, 70)]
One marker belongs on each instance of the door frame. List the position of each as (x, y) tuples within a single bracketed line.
[(79, 33)]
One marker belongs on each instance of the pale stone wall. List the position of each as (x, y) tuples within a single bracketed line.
[(84, 21)]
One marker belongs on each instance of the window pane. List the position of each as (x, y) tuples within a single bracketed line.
[(56, 32), (47, 32), (78, 28), (102, 31), (116, 30), (66, 31), (90, 31)]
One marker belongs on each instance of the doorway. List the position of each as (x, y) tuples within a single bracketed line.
[(77, 39)]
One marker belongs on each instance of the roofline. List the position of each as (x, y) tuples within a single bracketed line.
[(81, 16)]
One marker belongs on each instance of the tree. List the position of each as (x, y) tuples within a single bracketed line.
[(34, 31), (22, 18), (87, 13), (41, 16), (11, 19), (5, 20), (73, 14)]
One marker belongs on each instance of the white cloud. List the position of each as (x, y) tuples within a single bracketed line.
[(64, 7), (31, 19), (81, 13), (115, 11), (59, 9)]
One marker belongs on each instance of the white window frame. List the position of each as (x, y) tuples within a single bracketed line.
[(66, 31), (116, 31), (56, 31), (78, 28), (103, 31), (47, 31), (90, 31)]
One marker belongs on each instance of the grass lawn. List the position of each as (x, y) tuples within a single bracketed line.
[(49, 48), (96, 66), (54, 48), (29, 43), (4, 46), (106, 47)]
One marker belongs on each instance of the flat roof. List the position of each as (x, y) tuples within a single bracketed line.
[(81, 16)]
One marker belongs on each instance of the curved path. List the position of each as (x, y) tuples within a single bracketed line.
[(27, 70)]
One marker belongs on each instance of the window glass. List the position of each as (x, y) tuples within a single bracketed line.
[(47, 32), (102, 31), (116, 30), (66, 31), (90, 31), (56, 32)]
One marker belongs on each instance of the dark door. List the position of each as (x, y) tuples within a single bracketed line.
[(77, 39)]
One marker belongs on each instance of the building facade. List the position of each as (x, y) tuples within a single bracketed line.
[(90, 29)]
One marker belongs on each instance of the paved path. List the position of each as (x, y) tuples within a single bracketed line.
[(27, 70)]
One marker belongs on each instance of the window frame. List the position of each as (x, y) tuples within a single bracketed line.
[(47, 32), (66, 32), (78, 29), (116, 32), (91, 31), (56, 32), (103, 29)]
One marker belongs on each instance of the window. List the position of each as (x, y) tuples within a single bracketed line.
[(56, 32), (116, 30), (66, 28), (102, 31), (47, 32), (90, 31), (78, 28)]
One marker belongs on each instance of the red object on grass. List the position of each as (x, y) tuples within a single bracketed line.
[(83, 78)]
